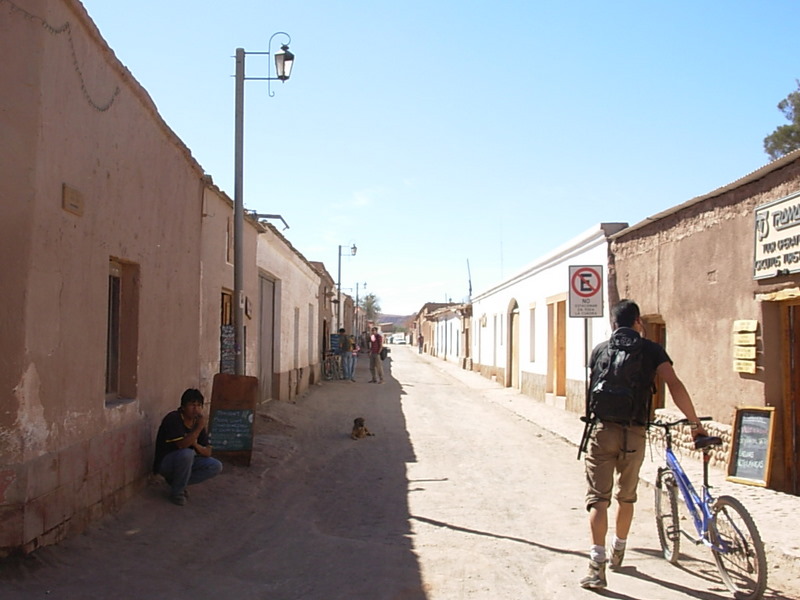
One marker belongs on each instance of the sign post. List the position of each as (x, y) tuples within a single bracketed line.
[(586, 291), (586, 302)]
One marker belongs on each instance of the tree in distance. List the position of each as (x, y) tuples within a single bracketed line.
[(786, 138), (371, 307)]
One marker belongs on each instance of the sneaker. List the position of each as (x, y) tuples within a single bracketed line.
[(179, 500), (596, 579), (616, 559)]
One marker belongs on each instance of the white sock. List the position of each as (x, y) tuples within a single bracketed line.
[(619, 544), (597, 554)]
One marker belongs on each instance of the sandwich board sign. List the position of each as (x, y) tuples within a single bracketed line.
[(585, 291)]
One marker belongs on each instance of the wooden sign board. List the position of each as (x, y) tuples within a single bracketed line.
[(745, 325), (744, 339), (233, 408), (744, 366), (751, 446)]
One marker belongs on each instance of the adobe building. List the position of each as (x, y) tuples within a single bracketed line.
[(284, 318), (425, 326), (718, 282), (100, 212)]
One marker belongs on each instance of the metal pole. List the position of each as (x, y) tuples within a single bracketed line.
[(355, 314), (339, 292), (238, 217)]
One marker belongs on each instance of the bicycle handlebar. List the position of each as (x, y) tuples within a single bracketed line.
[(700, 442), (668, 424)]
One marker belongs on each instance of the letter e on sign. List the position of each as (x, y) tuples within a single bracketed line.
[(586, 291)]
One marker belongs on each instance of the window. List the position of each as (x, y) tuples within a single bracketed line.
[(122, 338), (229, 237), (533, 334)]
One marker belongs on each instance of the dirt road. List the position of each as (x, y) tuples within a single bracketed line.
[(455, 496)]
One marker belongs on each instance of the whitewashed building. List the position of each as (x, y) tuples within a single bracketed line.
[(522, 332)]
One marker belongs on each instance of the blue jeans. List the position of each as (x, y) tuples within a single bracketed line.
[(184, 467), (347, 365)]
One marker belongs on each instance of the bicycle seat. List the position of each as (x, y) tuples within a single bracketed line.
[(704, 441)]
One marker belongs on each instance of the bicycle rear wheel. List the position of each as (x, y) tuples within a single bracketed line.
[(744, 566), (667, 523)]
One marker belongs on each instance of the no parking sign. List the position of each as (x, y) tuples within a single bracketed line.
[(586, 291)]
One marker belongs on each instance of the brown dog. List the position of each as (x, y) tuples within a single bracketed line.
[(360, 430)]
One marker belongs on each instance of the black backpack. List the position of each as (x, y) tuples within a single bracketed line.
[(619, 390)]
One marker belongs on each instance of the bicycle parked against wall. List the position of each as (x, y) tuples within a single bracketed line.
[(332, 367), (723, 525)]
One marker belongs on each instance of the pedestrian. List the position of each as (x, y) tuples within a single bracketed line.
[(354, 358), (619, 447), (346, 355), (420, 340), (183, 454), (375, 365)]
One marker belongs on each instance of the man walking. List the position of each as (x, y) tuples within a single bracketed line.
[(375, 347), (617, 443), (346, 355)]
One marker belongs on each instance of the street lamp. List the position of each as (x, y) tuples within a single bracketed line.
[(284, 60), (353, 250), (356, 326)]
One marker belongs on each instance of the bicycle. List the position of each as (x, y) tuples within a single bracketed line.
[(724, 525), (332, 367)]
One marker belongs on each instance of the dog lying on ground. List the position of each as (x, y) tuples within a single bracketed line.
[(360, 430)]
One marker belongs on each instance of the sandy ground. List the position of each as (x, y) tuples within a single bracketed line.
[(456, 496)]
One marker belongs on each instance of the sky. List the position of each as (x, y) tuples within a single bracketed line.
[(454, 142)]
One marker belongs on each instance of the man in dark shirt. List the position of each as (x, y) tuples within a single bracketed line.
[(183, 455), (616, 451)]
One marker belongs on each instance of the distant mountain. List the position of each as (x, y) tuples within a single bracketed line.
[(396, 321)]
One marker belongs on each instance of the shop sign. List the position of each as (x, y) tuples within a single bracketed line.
[(777, 238)]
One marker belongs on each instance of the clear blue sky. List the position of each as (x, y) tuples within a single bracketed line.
[(439, 132)]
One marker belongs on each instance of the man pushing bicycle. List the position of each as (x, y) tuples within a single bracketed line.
[(623, 370)]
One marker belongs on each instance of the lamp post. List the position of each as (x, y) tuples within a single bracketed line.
[(284, 60), (353, 250), (356, 327)]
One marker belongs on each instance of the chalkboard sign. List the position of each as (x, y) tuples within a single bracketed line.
[(233, 406), (227, 349), (751, 446), (232, 430)]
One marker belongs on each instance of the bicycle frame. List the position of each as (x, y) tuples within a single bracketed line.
[(699, 508)]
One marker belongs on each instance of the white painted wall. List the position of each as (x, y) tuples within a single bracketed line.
[(297, 287), (536, 284)]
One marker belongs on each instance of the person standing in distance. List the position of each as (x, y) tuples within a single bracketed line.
[(346, 355), (183, 455), (375, 347), (619, 448)]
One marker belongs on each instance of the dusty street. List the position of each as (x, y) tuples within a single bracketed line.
[(456, 496)]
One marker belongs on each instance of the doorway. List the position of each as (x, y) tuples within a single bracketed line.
[(790, 322), (512, 359), (266, 338), (557, 346)]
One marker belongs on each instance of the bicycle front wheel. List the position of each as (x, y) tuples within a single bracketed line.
[(743, 563), (667, 523)]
